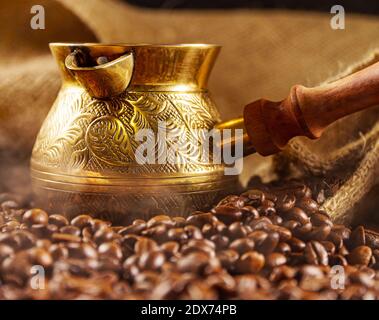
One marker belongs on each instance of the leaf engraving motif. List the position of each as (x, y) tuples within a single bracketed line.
[(91, 134), (108, 140)]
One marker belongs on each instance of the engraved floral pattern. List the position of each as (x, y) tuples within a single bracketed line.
[(86, 134)]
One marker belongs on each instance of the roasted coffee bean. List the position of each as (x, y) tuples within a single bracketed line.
[(209, 230), (24, 239), (246, 286), (275, 259), (108, 264), (315, 253), (282, 272), (6, 238), (320, 196), (302, 232), (303, 190), (221, 242), (228, 214), (268, 245), (35, 216), (357, 237), (372, 239), (82, 221), (242, 245), (135, 228), (177, 234), (250, 262), (258, 236), (342, 231), (291, 224), (286, 202), (201, 243), (255, 197), (283, 247), (271, 197), (157, 233), (296, 258), (144, 244), (236, 230), (329, 247), (296, 244), (64, 237), (104, 234), (5, 252), (308, 205), (58, 251), (228, 258), (232, 200), (222, 282), (360, 255), (266, 208), (58, 220), (146, 280), (195, 262), (276, 219), (284, 234), (319, 233), (10, 205), (43, 243), (151, 260), (319, 220), (336, 239), (362, 278), (159, 220), (201, 218), (70, 230), (343, 250), (43, 231), (372, 262), (170, 248), (250, 212), (16, 268), (81, 251), (198, 246), (39, 256), (101, 60), (233, 254), (260, 223), (97, 225), (337, 260), (297, 214), (10, 226), (179, 222), (193, 232), (87, 234)]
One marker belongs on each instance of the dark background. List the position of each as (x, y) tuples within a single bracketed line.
[(357, 6)]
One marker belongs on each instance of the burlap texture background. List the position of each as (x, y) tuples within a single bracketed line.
[(265, 52)]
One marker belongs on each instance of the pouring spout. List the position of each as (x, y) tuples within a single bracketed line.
[(105, 80), (232, 140)]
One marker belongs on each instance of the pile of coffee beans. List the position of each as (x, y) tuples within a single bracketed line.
[(262, 244)]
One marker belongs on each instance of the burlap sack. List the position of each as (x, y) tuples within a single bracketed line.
[(348, 153), (264, 54)]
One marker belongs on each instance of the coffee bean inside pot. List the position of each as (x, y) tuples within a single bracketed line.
[(101, 60), (267, 243)]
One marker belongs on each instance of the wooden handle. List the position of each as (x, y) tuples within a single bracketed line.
[(308, 111)]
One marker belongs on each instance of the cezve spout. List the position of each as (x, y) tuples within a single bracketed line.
[(104, 80)]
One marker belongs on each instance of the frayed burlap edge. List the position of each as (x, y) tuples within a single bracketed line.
[(355, 188)]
